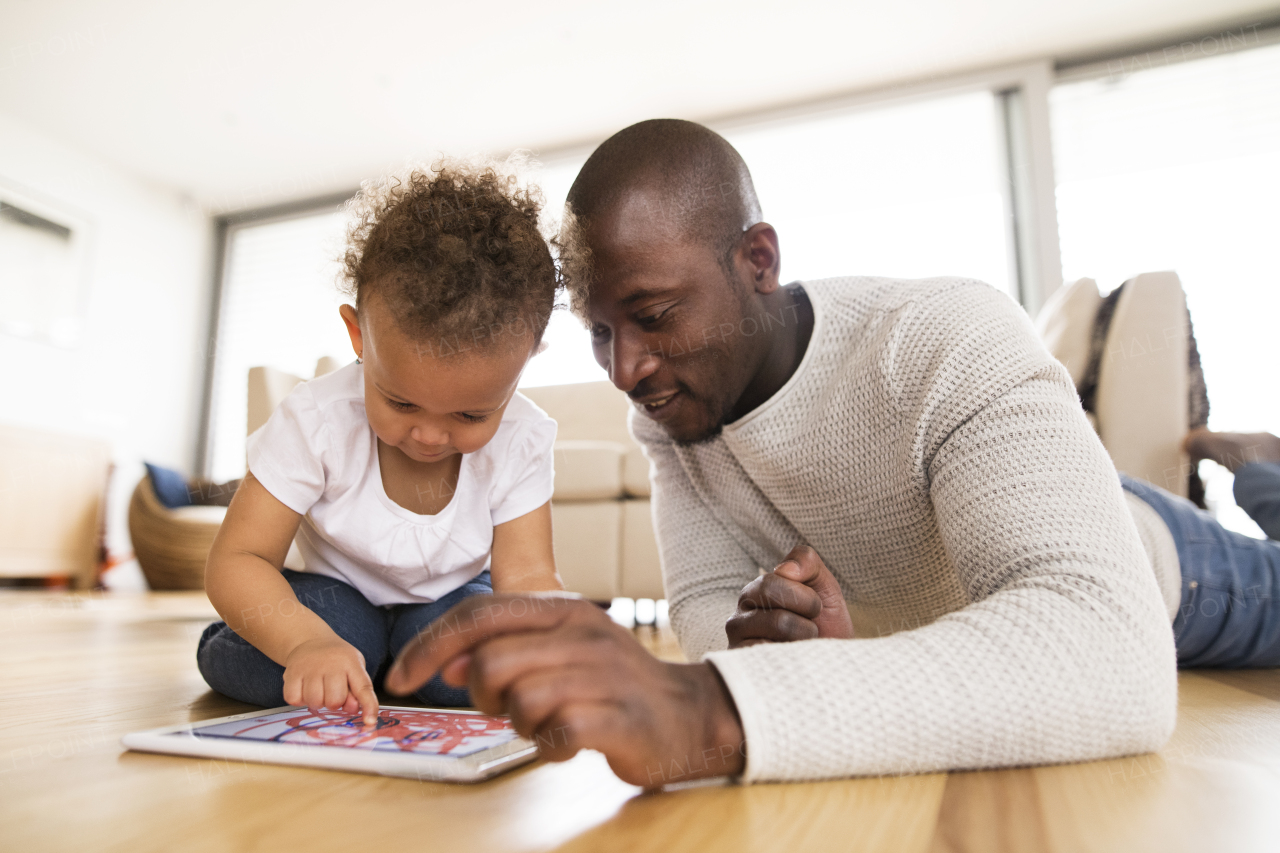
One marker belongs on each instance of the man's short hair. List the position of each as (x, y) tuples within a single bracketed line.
[(699, 185)]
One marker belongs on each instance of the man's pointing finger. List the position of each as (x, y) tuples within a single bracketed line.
[(468, 624)]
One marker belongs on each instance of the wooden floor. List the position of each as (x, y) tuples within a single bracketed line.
[(79, 671)]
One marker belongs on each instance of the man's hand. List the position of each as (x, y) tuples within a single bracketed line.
[(330, 673), (571, 679), (799, 600)]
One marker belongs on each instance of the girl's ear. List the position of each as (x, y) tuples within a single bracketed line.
[(352, 319)]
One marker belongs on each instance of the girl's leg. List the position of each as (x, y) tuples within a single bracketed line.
[(410, 619), (235, 668), (1230, 612)]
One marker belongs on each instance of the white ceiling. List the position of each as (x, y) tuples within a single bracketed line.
[(243, 103)]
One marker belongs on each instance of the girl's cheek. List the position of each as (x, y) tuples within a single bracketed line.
[(475, 438), (385, 428)]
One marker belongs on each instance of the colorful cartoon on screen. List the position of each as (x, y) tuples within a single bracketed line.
[(420, 732)]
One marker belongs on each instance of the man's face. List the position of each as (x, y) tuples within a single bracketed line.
[(668, 323)]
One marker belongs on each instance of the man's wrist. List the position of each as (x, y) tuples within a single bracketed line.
[(725, 747)]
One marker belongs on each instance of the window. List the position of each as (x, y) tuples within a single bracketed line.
[(567, 356), (41, 270), (912, 189), (1178, 167), (909, 191), (279, 309)]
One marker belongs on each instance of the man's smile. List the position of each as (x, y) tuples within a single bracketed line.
[(658, 406)]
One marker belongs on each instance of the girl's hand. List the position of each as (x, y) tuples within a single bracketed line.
[(329, 673)]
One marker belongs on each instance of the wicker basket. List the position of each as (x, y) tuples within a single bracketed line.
[(171, 544)]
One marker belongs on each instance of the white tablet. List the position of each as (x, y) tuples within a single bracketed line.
[(429, 744)]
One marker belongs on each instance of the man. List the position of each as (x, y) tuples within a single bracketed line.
[(941, 520)]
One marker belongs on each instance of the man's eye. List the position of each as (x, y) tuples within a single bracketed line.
[(650, 319)]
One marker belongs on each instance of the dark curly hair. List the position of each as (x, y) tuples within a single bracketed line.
[(454, 252)]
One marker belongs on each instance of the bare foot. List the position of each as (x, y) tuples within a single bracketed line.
[(1232, 450)]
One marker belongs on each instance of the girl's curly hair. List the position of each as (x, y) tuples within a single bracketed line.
[(454, 251)]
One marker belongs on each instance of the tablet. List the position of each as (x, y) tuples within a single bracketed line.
[(429, 744)]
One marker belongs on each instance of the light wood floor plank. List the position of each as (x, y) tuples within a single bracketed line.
[(80, 670)]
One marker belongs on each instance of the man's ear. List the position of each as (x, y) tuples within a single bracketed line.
[(352, 319), (760, 244)]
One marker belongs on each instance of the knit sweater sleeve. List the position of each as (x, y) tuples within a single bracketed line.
[(1063, 654), (704, 564)]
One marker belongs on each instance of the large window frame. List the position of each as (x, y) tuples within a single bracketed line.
[(1022, 90), (224, 228)]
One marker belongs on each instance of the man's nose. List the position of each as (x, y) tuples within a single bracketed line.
[(631, 361)]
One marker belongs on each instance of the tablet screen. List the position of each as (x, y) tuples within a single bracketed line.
[(420, 732)]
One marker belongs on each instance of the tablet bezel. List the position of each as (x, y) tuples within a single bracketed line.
[(476, 767)]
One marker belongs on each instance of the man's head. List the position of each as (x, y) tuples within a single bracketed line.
[(669, 263)]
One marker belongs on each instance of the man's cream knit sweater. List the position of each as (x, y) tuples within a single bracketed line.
[(937, 458)]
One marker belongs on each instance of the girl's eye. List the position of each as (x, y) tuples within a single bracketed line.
[(402, 407), (599, 333), (473, 419)]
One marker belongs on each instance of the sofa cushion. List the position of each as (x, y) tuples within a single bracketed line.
[(640, 569), (587, 537), (1065, 325), (588, 470), (585, 411), (635, 473), (199, 514), (1143, 380)]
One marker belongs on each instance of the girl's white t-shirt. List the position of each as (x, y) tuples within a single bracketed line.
[(318, 456)]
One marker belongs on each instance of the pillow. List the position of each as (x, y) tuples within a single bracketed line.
[(1066, 323), (170, 486)]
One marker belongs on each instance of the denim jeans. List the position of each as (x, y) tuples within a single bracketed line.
[(1257, 491), (235, 668), (1230, 611)]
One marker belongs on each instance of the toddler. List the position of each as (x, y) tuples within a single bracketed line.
[(412, 478)]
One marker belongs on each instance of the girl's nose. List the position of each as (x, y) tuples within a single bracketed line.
[(429, 435)]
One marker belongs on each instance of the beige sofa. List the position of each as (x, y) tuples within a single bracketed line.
[(604, 540), (52, 493), (605, 546)]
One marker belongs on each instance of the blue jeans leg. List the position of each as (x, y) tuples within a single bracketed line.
[(1257, 491), (1230, 611), (235, 668), (408, 620)]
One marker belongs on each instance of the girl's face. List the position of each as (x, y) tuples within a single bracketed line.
[(428, 405)]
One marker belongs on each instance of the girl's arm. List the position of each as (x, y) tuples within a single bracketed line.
[(244, 584), (523, 560)]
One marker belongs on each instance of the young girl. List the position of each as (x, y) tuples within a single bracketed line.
[(412, 478)]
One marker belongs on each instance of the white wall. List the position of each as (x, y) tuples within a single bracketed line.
[(134, 377)]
